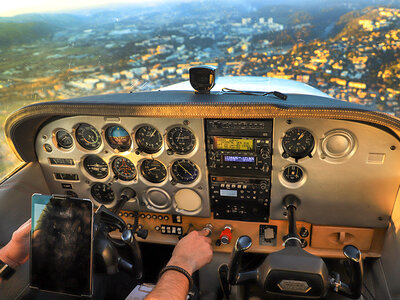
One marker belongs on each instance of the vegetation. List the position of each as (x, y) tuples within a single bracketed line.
[(20, 33)]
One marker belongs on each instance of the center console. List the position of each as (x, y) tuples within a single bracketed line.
[(239, 164)]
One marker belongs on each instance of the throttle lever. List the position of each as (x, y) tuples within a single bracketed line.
[(353, 254), (242, 244), (353, 289)]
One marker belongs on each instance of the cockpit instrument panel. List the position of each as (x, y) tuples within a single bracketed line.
[(160, 159), (232, 169)]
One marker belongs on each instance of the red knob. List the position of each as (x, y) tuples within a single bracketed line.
[(226, 235)]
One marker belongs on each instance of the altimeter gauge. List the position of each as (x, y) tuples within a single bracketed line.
[(184, 171), (297, 143), (149, 139), (124, 169)]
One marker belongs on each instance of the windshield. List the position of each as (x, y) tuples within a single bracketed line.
[(57, 50)]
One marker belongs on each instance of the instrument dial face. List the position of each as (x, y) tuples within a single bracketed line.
[(298, 143), (148, 139), (102, 193), (118, 138), (181, 140), (88, 136), (64, 139), (184, 171), (153, 170), (95, 166), (124, 169), (293, 174)]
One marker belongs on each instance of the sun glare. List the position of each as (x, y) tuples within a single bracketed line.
[(12, 8)]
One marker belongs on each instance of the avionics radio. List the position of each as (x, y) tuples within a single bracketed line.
[(239, 147)]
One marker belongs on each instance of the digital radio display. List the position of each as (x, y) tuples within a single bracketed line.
[(233, 144), (239, 159), (228, 193)]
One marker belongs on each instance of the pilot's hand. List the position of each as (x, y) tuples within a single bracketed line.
[(16, 252), (192, 252)]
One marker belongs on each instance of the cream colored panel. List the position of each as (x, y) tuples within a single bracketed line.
[(349, 191)]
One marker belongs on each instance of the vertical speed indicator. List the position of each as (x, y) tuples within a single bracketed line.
[(181, 140)]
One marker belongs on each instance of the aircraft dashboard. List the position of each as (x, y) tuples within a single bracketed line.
[(186, 173)]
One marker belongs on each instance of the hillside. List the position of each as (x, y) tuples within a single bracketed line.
[(20, 33)]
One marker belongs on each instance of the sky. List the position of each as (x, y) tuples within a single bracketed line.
[(10, 8)]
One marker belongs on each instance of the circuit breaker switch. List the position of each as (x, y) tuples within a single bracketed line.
[(269, 234)]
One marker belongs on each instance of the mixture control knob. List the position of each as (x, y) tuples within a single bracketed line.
[(226, 235)]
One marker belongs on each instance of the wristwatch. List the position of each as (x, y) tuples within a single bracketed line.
[(5, 270)]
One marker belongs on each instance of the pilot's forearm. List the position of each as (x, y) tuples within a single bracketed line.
[(172, 286), (4, 257)]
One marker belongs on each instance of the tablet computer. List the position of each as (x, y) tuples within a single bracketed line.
[(61, 244)]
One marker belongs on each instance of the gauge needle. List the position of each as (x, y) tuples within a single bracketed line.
[(153, 169), (301, 135), (153, 132), (185, 169)]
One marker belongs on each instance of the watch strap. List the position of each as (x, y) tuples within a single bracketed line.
[(5, 270), (180, 270)]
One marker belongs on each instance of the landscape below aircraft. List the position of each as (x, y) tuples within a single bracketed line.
[(300, 191)]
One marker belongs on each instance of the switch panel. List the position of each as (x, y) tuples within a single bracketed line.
[(268, 235)]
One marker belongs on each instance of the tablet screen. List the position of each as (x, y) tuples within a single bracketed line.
[(61, 244)]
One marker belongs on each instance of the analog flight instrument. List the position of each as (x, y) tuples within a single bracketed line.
[(102, 193), (184, 171), (95, 166), (118, 138), (64, 139), (149, 139), (297, 143), (124, 169), (181, 140), (153, 170), (88, 136), (293, 173)]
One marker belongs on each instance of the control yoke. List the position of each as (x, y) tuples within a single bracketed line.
[(292, 271), (107, 257)]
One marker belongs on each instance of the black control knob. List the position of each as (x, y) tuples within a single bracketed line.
[(263, 185), (304, 232), (265, 152)]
